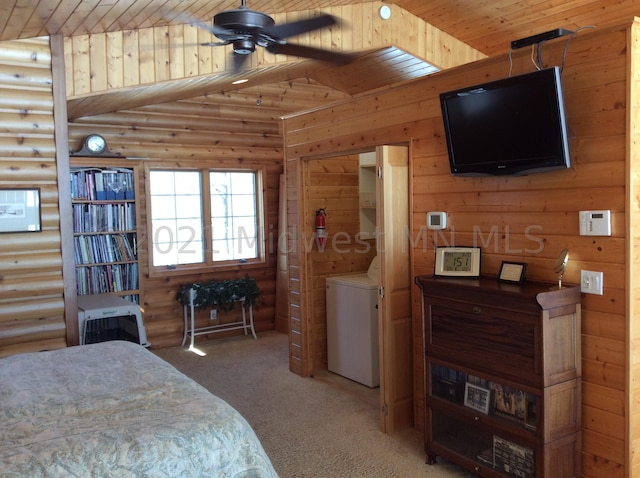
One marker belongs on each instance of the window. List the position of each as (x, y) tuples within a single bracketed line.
[(205, 217), (234, 227)]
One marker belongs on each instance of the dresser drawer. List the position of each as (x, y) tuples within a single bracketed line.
[(484, 338)]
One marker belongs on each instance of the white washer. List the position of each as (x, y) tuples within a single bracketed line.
[(352, 328)]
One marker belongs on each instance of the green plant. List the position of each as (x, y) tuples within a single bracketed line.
[(223, 293)]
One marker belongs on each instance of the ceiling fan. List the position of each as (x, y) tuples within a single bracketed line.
[(245, 28)]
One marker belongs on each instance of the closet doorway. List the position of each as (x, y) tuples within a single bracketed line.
[(321, 184)]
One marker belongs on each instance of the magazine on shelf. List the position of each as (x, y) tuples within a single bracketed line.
[(516, 460), (509, 402)]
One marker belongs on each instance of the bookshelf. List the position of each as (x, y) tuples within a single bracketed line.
[(105, 220)]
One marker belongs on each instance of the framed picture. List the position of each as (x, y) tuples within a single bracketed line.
[(477, 398), (20, 210), (457, 262), (513, 272)]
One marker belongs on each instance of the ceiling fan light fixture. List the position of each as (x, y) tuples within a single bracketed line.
[(244, 47)]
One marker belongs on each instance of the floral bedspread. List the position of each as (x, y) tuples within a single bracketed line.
[(116, 409)]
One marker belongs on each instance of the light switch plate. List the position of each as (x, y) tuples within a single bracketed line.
[(591, 282)]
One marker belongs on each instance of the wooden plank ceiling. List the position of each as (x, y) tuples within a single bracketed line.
[(389, 64), (487, 26)]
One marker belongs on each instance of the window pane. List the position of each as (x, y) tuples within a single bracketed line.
[(190, 252), (188, 206), (221, 251), (163, 207), (233, 215), (244, 205), (187, 182), (220, 228), (176, 217), (164, 252), (189, 230), (161, 182), (245, 227)]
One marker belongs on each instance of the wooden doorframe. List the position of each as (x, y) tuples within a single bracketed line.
[(298, 229)]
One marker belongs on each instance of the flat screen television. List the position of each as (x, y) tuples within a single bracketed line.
[(511, 126)]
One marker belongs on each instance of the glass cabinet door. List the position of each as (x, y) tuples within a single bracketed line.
[(481, 421)]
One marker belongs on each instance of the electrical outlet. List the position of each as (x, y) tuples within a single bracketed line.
[(213, 314), (591, 282)]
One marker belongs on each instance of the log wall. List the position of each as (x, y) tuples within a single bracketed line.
[(529, 219), (32, 315)]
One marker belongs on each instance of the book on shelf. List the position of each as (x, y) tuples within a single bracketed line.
[(448, 383), (107, 279), (102, 184), (514, 459), (103, 249)]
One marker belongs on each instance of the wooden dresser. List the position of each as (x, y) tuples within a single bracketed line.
[(502, 376)]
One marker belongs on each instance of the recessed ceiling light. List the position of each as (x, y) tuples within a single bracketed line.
[(385, 12), (239, 82)]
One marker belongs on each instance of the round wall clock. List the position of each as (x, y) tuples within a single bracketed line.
[(95, 143)]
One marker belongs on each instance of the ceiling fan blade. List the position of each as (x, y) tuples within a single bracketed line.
[(214, 43), (287, 30), (239, 62), (311, 52), (213, 29)]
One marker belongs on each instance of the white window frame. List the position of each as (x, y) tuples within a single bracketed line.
[(209, 265)]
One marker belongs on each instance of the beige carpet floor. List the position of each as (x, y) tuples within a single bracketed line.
[(324, 427)]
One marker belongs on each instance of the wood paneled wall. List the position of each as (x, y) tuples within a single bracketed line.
[(333, 186), (32, 315), (529, 219)]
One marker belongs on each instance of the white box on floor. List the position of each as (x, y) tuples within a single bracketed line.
[(103, 317)]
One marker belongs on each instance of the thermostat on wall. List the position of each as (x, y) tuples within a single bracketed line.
[(436, 220), (595, 223)]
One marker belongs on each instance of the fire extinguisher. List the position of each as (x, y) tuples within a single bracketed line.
[(321, 233)]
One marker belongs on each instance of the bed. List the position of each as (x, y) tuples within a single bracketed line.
[(116, 409)]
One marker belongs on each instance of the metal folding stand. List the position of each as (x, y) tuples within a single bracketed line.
[(191, 331)]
